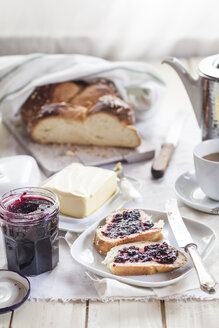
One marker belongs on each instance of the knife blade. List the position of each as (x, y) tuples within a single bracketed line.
[(184, 240), (128, 158), (161, 161), (109, 155)]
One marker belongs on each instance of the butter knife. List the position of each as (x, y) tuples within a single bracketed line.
[(184, 240), (161, 160)]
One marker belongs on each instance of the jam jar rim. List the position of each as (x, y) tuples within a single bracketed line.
[(22, 218)]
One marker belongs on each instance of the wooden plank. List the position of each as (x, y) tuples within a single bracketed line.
[(195, 314), (5, 320), (45, 314), (127, 314)]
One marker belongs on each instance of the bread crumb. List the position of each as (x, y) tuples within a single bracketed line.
[(69, 153), (118, 166)]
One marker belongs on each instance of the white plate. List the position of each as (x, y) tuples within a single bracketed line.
[(188, 190), (85, 253)]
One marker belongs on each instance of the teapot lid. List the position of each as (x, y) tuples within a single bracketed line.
[(209, 67)]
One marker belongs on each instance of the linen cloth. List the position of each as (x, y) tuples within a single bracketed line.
[(138, 83)]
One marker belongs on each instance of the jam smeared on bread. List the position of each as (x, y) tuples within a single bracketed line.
[(159, 253), (126, 223), (125, 226), (130, 240), (144, 257)]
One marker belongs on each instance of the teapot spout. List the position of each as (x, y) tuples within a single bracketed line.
[(193, 86)]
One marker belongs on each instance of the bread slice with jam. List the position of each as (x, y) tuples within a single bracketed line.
[(142, 258), (125, 226)]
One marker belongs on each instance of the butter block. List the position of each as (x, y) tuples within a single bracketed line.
[(82, 189)]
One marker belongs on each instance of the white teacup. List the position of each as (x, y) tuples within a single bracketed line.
[(207, 171)]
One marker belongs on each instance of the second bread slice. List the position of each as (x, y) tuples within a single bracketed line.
[(125, 226), (144, 258)]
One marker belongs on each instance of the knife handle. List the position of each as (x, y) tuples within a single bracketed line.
[(161, 161), (207, 282)]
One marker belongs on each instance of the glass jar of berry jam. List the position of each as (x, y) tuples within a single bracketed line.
[(29, 220)]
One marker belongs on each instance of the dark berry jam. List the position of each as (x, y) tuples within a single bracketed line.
[(125, 224), (159, 253), (26, 205), (30, 228)]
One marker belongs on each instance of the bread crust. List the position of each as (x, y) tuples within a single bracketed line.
[(48, 94), (90, 95), (120, 270), (104, 244), (58, 110), (150, 267), (113, 105), (139, 270)]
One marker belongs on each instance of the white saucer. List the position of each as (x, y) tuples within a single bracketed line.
[(188, 190), (14, 288)]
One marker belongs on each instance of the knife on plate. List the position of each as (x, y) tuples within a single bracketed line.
[(184, 240), (161, 161)]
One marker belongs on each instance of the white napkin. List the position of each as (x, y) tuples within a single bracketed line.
[(138, 83)]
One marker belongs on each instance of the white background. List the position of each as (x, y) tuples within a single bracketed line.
[(114, 29)]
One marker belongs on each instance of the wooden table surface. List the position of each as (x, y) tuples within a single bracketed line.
[(129, 314)]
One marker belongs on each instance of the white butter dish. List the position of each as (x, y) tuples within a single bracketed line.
[(18, 171)]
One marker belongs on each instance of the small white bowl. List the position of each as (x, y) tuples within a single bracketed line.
[(18, 171)]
